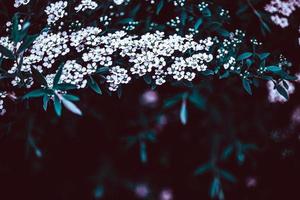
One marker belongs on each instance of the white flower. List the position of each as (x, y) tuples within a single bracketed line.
[(86, 5), (18, 3), (55, 11), (117, 77), (118, 2)]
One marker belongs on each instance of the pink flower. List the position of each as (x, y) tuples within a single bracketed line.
[(166, 194), (251, 182), (149, 98), (142, 191)]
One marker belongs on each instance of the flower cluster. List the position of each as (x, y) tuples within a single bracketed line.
[(18, 3), (75, 73), (56, 11), (86, 5), (117, 77), (5, 41), (281, 10), (81, 51)]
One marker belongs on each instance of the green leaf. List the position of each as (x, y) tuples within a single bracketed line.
[(203, 169), (282, 91), (249, 62), (24, 30), (102, 70), (183, 18), (46, 99), (247, 86), (198, 23), (242, 9), (125, 21), (285, 84), (198, 100), (273, 68), (65, 86), (58, 75), (215, 187), (35, 94), (135, 10), (38, 77), (225, 75), (206, 12), (15, 35), (228, 176), (147, 79), (183, 112), (143, 152), (57, 105), (159, 7), (71, 106), (172, 101), (227, 152), (27, 42), (244, 56), (263, 56), (93, 85), (208, 72), (6, 52), (71, 97)]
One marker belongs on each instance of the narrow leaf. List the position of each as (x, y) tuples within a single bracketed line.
[(183, 112), (71, 106), (247, 86), (244, 56), (57, 106)]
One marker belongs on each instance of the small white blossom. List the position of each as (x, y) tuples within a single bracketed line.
[(18, 3), (55, 11), (86, 5), (117, 77)]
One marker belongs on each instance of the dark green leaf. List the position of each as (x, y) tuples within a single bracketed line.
[(46, 99), (282, 91), (183, 17), (27, 42), (58, 75), (203, 169), (244, 56), (208, 72), (93, 85), (71, 97), (65, 86), (227, 152), (198, 23), (215, 187), (57, 105), (273, 68), (228, 176), (35, 94), (143, 152), (102, 70), (183, 112), (71, 106), (38, 77), (225, 75), (263, 56), (247, 86), (197, 100), (159, 7), (15, 35), (6, 52)]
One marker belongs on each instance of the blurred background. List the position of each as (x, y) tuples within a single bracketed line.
[(152, 144)]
